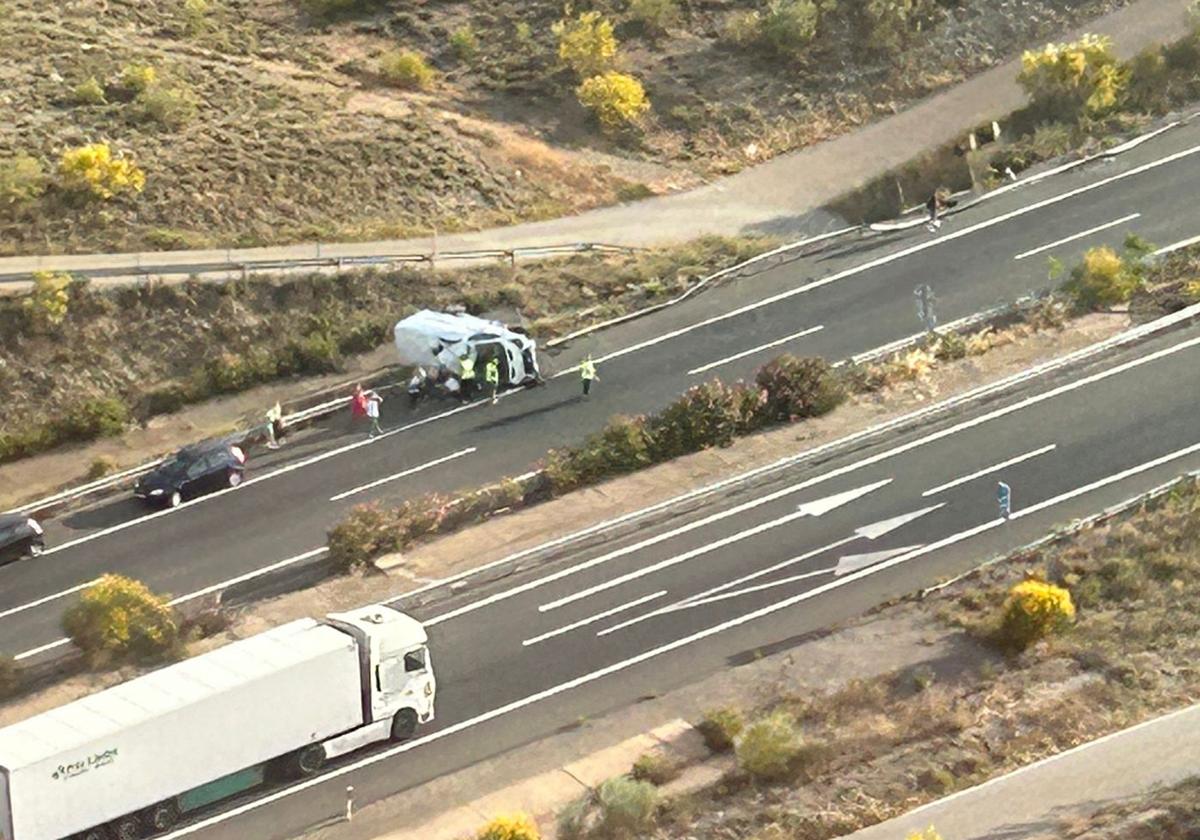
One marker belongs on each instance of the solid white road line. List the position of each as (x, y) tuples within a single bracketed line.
[(35, 651), (1079, 235), (410, 471), (1178, 246), (594, 618), (47, 599), (815, 508), (897, 255), (1010, 462), (573, 684), (832, 474), (754, 350)]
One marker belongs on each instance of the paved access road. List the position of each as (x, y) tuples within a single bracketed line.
[(843, 301), (767, 561)]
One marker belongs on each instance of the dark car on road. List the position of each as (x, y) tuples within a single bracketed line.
[(193, 471), (20, 536)]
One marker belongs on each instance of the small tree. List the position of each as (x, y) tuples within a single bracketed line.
[(406, 69), (94, 171), (1034, 610), (616, 99), (47, 304), (21, 180), (518, 826), (119, 619), (586, 44), (1074, 79), (768, 748)]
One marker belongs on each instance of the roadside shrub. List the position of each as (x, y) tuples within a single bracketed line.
[(89, 92), (703, 417), (655, 16), (406, 69), (465, 43), (516, 826), (195, 16), (616, 100), (1067, 81), (891, 22), (137, 78), (366, 532), (743, 28), (789, 26), (928, 834), (94, 171), (49, 300), (768, 747), (1103, 279), (720, 728), (621, 446), (101, 466), (950, 346), (586, 44), (1034, 610), (11, 678), (118, 619), (92, 418), (655, 768), (171, 107), (21, 180), (798, 387), (1148, 87), (627, 806)]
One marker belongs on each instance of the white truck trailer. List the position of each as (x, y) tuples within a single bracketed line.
[(428, 338), (129, 761)]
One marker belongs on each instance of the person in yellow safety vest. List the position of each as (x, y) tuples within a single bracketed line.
[(492, 374), (587, 372), (467, 362)]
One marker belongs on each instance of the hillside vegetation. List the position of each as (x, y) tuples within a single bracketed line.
[(192, 123)]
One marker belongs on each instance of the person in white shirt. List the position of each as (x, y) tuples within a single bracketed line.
[(373, 401)]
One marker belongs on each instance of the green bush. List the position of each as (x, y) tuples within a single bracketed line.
[(1149, 84), (890, 23), (89, 92), (21, 180), (1067, 81), (742, 29), (720, 728), (768, 748), (789, 26), (465, 43), (1103, 279), (655, 768), (798, 387), (627, 806), (406, 69), (101, 466), (11, 678), (137, 78), (118, 619), (92, 418), (622, 446), (49, 300), (655, 16), (516, 826), (1034, 610), (171, 107), (950, 346), (703, 417), (586, 44), (195, 16), (617, 100), (368, 531)]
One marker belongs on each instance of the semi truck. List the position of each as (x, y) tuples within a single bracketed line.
[(441, 339), (130, 761)]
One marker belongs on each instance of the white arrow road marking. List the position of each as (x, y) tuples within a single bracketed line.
[(1017, 460), (1079, 235), (404, 473), (871, 532), (854, 562), (814, 508), (754, 350), (594, 618)]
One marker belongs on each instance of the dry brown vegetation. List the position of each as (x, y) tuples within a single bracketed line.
[(269, 122)]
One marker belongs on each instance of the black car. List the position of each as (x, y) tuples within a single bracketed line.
[(193, 471), (20, 536)]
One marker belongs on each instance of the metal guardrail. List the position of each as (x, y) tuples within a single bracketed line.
[(247, 267)]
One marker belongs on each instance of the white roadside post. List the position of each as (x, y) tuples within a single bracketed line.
[(349, 803)]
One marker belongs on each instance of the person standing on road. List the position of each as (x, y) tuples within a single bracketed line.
[(373, 401), (358, 406), (587, 372), (416, 386), (274, 426), (492, 374), (467, 362), (933, 205)]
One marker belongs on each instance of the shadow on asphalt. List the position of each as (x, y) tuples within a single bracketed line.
[(861, 247), (106, 515), (533, 412)]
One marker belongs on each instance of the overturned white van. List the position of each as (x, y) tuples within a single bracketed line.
[(429, 339)]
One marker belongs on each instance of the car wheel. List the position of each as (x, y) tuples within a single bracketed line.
[(175, 499), (235, 478)]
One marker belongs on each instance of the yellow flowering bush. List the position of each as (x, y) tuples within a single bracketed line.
[(1104, 278), (118, 618), (406, 69), (510, 827), (1073, 79), (93, 170), (47, 303), (616, 99), (928, 834), (138, 78), (586, 44), (1034, 610)]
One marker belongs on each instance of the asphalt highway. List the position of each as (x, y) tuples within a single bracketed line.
[(845, 300), (755, 568)]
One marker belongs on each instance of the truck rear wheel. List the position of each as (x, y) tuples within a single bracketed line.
[(127, 828), (404, 725), (162, 816), (308, 761)]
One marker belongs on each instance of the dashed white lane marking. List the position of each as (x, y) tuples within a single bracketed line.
[(754, 350), (404, 473), (1010, 462), (1083, 233)]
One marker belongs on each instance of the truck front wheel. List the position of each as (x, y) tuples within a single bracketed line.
[(162, 816), (404, 725), (309, 760)]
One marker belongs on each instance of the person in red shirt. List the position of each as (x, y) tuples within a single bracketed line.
[(358, 407)]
